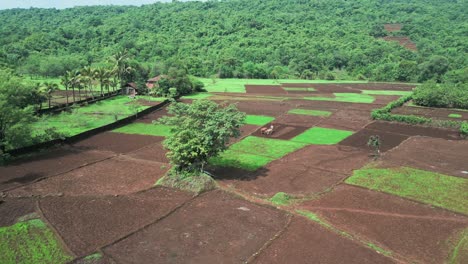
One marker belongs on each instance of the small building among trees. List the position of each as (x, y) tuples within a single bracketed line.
[(153, 82), (130, 89)]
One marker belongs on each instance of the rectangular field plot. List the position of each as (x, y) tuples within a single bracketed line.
[(197, 96), (240, 160), (345, 97), (145, 129), (30, 242), (299, 89), (386, 92), (310, 112), (258, 120), (424, 186), (322, 136)]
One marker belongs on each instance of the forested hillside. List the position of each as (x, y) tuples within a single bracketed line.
[(247, 38)]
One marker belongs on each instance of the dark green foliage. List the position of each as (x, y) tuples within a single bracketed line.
[(199, 131), (442, 95), (244, 38)]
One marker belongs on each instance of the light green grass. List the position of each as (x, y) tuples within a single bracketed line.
[(386, 92), (455, 116), (460, 251), (299, 89), (322, 136), (424, 186), (281, 198), (238, 85), (258, 120), (310, 112), (145, 129), (345, 97), (240, 160), (30, 242), (197, 96), (272, 148), (90, 116)]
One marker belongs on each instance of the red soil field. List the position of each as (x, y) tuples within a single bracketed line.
[(153, 152), (307, 242), (46, 164), (437, 113), (299, 120), (117, 176), (415, 232), (148, 119), (87, 223), (343, 124), (352, 114), (245, 130), (297, 85), (335, 88), (117, 142), (213, 228), (393, 27), (410, 130), (268, 108), (310, 170), (432, 154), (360, 139), (264, 89), (12, 209), (403, 41)]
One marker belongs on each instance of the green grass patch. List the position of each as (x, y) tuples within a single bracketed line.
[(145, 129), (455, 116), (460, 247), (197, 96), (322, 136), (240, 160), (345, 97), (379, 249), (310, 112), (258, 120), (299, 89), (281, 198), (424, 186), (386, 92), (30, 242), (272, 148)]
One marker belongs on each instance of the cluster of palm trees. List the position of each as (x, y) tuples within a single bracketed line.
[(87, 79)]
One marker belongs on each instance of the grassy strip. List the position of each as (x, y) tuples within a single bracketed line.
[(424, 186), (345, 97), (317, 219), (145, 129), (240, 160), (455, 115), (197, 96), (299, 89), (30, 242), (386, 92), (462, 246), (258, 120), (271, 148), (310, 112), (281, 198), (322, 136)]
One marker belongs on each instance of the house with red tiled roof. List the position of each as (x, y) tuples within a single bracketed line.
[(151, 83)]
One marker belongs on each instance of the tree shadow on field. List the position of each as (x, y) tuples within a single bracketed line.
[(228, 173)]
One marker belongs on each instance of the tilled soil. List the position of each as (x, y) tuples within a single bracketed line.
[(117, 142), (281, 131), (268, 108), (149, 118), (13, 210), (437, 113), (196, 233), (407, 228), (360, 139), (432, 154), (117, 176), (304, 242), (410, 130), (299, 120), (153, 152), (264, 89), (46, 164), (90, 222)]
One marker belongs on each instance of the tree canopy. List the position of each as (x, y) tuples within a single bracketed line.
[(245, 38)]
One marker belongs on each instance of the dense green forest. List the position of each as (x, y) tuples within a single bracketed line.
[(246, 38)]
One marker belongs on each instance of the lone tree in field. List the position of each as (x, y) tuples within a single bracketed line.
[(374, 142), (200, 130)]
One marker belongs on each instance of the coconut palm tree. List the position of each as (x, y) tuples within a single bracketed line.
[(121, 67), (102, 75), (65, 81), (87, 75), (49, 88)]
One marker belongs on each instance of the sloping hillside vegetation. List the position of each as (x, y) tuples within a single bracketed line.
[(311, 39)]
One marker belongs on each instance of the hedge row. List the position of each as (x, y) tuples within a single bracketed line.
[(384, 113)]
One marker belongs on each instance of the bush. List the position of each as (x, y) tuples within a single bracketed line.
[(464, 129), (442, 95), (192, 181)]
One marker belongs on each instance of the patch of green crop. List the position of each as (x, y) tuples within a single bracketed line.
[(240, 160), (145, 129), (258, 120), (386, 92), (273, 148), (30, 242), (455, 115), (424, 186), (299, 89), (310, 112), (197, 96), (345, 97), (322, 136), (281, 198)]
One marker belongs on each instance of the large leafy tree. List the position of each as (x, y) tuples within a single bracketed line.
[(200, 130)]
